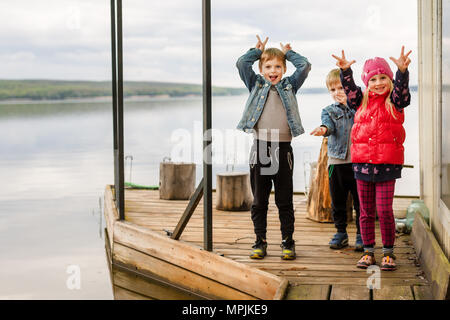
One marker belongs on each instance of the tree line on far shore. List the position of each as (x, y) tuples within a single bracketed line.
[(61, 89)]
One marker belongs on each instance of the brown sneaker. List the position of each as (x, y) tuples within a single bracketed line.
[(388, 262), (367, 259)]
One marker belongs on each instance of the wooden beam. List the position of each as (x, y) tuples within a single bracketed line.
[(110, 213), (179, 277), (193, 202), (251, 281), (148, 287), (432, 259)]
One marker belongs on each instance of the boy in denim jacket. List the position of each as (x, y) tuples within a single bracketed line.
[(337, 122), (271, 114)]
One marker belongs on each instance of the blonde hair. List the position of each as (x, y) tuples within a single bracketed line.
[(389, 106), (334, 76), (271, 53)]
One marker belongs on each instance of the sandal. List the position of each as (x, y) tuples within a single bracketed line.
[(367, 259), (388, 262)]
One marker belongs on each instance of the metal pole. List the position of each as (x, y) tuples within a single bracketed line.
[(117, 97), (114, 74), (207, 122), (120, 155), (114, 96)]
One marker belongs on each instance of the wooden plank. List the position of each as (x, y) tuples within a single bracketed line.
[(124, 294), (110, 212), (282, 289), (149, 288), (193, 203), (308, 292), (422, 293), (432, 259), (175, 275), (393, 293), (352, 281), (346, 292), (250, 280)]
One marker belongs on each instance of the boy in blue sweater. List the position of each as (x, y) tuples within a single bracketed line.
[(337, 122)]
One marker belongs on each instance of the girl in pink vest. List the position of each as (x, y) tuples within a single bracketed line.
[(377, 151)]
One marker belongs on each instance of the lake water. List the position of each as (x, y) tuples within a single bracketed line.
[(56, 159)]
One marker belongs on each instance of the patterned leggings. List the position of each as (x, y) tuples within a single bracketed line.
[(379, 196)]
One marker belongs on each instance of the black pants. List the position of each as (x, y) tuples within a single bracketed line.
[(342, 181), (272, 161)]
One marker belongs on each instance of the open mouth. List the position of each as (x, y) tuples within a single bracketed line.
[(273, 78)]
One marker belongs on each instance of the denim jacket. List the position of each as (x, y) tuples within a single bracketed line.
[(338, 119), (259, 88)]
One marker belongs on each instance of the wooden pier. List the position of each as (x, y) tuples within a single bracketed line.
[(318, 273)]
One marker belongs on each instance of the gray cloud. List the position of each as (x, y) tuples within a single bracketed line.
[(71, 39)]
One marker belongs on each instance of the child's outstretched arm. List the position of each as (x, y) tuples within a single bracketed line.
[(353, 92), (301, 65), (326, 128), (245, 63), (401, 96)]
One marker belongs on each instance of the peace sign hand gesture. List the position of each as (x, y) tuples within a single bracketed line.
[(285, 48), (343, 63), (403, 61), (261, 45)]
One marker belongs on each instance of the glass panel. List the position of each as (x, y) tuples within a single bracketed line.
[(445, 168)]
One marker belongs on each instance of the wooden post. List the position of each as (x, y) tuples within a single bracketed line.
[(319, 199), (176, 180), (233, 191)]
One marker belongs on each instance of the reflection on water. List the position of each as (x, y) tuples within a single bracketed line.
[(56, 159)]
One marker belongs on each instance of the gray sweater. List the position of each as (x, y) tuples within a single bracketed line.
[(273, 118)]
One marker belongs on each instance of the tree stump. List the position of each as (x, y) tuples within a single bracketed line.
[(318, 207), (176, 180), (233, 191)]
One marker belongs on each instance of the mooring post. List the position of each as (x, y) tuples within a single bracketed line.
[(117, 94), (207, 122)]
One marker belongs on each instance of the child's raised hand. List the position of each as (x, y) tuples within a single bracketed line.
[(285, 48), (261, 45), (319, 131), (403, 61), (343, 63)]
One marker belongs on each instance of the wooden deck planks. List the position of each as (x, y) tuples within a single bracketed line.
[(308, 292), (316, 267), (393, 293), (349, 292)]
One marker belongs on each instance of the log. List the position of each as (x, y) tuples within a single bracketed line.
[(233, 191), (176, 180), (319, 199)]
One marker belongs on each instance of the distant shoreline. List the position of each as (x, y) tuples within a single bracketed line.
[(48, 91), (90, 99)]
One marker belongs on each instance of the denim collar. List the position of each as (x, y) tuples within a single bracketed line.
[(340, 105)]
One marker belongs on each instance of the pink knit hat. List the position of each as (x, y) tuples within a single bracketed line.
[(375, 66)]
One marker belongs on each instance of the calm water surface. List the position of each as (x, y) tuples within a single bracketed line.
[(56, 159)]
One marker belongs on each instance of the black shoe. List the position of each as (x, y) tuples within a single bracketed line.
[(259, 249), (288, 249)]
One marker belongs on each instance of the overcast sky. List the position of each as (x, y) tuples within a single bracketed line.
[(68, 39)]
